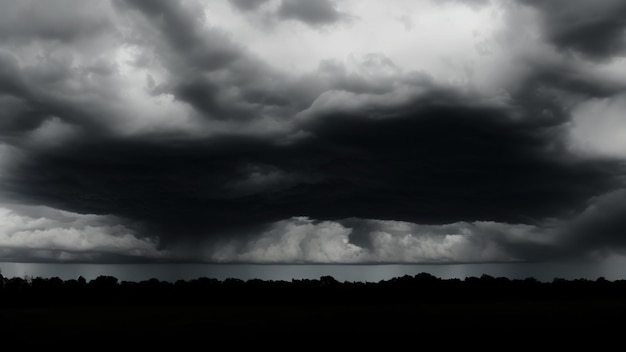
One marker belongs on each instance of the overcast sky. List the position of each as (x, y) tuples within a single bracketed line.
[(327, 131)]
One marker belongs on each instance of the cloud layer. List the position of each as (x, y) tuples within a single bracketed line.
[(327, 131)]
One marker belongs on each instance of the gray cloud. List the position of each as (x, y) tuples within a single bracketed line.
[(314, 13), (180, 29), (37, 233), (601, 225), (593, 28), (422, 164), (375, 74), (66, 21), (248, 5), (11, 82), (475, 4), (592, 233), (206, 69)]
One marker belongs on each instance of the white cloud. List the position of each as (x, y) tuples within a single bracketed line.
[(303, 240), (481, 241), (439, 42), (48, 233)]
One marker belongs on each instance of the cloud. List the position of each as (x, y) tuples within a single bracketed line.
[(299, 240), (402, 242), (45, 234), (594, 29), (313, 13), (203, 66), (475, 4), (374, 73), (304, 240), (595, 232), (82, 83), (181, 29), (598, 127), (435, 159), (248, 5), (601, 226), (50, 20)]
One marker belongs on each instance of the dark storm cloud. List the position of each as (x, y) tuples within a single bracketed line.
[(179, 188), (314, 13), (602, 224), (426, 164), (593, 28), (353, 143), (453, 163), (248, 5)]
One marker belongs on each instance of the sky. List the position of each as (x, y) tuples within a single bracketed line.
[(312, 132)]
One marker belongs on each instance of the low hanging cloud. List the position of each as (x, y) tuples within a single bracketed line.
[(303, 240), (300, 240), (592, 233), (29, 233)]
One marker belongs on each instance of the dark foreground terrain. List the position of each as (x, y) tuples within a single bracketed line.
[(417, 308)]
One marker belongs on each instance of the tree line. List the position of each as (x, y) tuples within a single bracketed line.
[(420, 288)]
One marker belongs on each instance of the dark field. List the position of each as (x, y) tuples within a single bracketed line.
[(152, 312)]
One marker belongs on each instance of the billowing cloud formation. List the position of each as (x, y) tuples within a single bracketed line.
[(594, 231), (234, 126), (299, 240), (30, 233)]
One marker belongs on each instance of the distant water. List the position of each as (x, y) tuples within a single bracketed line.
[(611, 269)]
